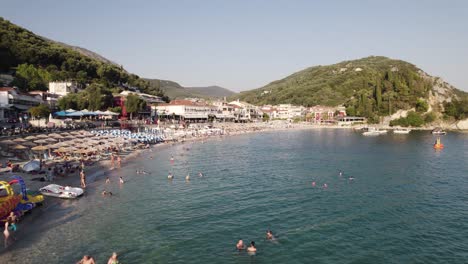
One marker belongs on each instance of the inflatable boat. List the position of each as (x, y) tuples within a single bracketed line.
[(66, 192)]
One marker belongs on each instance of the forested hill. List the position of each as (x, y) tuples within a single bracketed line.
[(371, 87), (35, 60)]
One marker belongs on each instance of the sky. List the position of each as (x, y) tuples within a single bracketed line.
[(246, 44)]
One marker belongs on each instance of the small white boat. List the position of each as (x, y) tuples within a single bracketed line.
[(401, 131), (372, 131), (438, 131), (59, 191)]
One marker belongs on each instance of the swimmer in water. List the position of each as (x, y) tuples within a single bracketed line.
[(106, 193), (325, 185), (172, 159), (269, 235), (313, 184), (187, 178), (107, 180), (240, 245), (200, 174), (121, 180), (341, 173), (252, 247), (170, 176), (351, 178)]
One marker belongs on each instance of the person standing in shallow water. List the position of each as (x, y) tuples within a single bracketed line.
[(252, 247), (86, 260), (240, 245), (83, 179), (6, 233), (119, 162), (113, 259)]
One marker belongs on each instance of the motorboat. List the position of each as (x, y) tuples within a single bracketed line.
[(372, 131), (401, 131), (438, 131), (59, 191)]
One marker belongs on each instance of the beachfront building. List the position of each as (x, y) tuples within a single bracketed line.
[(289, 111), (325, 114), (15, 104), (350, 120), (186, 110), (245, 112), (63, 88), (225, 111), (47, 98), (270, 110)]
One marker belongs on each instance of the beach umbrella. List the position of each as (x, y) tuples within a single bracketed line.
[(40, 148), (62, 149), (54, 146), (7, 142), (30, 138), (42, 136), (28, 144), (75, 133), (41, 141), (32, 165), (70, 110), (62, 144), (18, 140), (56, 136), (18, 147), (51, 140)]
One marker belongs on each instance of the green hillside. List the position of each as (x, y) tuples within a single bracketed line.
[(34, 61), (371, 87)]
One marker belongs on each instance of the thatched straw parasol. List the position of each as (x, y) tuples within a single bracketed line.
[(18, 147), (51, 140), (40, 148), (41, 141), (29, 144), (19, 140), (30, 138), (7, 142), (42, 136)]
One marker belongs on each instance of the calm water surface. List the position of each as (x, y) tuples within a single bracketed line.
[(407, 204)]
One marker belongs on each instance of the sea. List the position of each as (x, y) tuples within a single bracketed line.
[(397, 200)]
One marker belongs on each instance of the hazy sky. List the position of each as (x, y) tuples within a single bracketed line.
[(246, 44)]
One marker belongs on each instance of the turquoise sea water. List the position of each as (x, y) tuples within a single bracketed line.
[(407, 203)]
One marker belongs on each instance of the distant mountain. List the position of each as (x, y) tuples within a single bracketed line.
[(176, 91), (372, 87), (211, 91)]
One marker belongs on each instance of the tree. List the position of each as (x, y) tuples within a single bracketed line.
[(40, 111), (378, 95), (421, 106), (134, 104), (266, 117)]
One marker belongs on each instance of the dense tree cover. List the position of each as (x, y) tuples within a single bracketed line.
[(40, 111), (134, 104), (38, 61), (94, 97), (370, 87), (457, 109)]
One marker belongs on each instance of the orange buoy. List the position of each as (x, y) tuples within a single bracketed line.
[(438, 144)]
